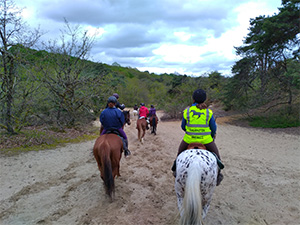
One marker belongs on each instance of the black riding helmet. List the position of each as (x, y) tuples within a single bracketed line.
[(199, 96), (112, 99), (116, 95)]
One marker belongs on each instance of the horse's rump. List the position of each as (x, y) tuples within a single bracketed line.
[(141, 125), (107, 152), (189, 163), (155, 118)]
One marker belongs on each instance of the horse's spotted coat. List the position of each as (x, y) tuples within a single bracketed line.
[(207, 164)]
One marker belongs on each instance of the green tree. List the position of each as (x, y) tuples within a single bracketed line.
[(13, 32), (270, 44), (64, 70)]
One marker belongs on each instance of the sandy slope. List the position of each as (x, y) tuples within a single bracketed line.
[(63, 186)]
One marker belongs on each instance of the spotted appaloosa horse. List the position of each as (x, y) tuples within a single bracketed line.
[(196, 177)]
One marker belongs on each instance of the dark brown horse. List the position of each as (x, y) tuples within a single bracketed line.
[(141, 125), (153, 124), (127, 117), (107, 151)]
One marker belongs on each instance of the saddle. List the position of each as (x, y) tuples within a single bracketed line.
[(196, 146), (113, 131), (202, 146)]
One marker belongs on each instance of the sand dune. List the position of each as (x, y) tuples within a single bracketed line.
[(63, 186)]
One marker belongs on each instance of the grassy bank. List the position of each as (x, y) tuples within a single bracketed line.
[(41, 138)]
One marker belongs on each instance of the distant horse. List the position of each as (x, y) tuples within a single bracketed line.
[(107, 151), (153, 124), (127, 117), (135, 113), (141, 125), (196, 177)]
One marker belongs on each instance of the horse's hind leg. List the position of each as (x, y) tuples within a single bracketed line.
[(139, 134), (98, 160)]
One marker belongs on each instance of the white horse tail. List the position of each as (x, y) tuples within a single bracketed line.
[(192, 201)]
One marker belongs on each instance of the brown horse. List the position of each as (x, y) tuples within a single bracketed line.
[(141, 125), (107, 151)]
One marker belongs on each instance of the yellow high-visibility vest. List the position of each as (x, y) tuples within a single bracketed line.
[(197, 125)]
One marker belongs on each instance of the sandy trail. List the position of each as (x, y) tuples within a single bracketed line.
[(63, 186)]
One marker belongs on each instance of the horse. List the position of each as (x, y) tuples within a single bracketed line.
[(141, 125), (135, 112), (196, 178), (107, 151), (127, 117), (153, 124)]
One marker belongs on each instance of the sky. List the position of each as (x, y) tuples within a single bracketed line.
[(192, 37)]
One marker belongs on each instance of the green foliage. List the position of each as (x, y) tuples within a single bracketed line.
[(59, 88), (280, 119), (269, 69)]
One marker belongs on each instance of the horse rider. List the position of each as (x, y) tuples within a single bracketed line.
[(118, 105), (152, 113), (143, 113), (200, 127), (135, 110), (113, 119)]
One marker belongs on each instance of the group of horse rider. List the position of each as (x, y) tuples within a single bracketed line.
[(197, 121), (144, 112)]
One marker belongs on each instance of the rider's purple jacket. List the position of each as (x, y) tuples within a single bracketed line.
[(152, 111)]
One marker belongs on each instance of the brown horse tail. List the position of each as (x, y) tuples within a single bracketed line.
[(107, 177)]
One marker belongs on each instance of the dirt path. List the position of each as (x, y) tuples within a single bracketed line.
[(63, 186)]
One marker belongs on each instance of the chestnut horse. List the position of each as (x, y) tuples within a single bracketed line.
[(107, 151), (141, 125), (196, 178)]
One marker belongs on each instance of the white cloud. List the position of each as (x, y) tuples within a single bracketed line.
[(193, 36)]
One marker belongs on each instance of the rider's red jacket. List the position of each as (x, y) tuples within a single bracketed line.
[(144, 111)]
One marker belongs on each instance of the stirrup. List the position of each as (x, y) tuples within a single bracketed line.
[(219, 179), (127, 152), (219, 162)]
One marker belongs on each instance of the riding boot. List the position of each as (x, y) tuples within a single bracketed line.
[(174, 168), (125, 146), (147, 126), (219, 177)]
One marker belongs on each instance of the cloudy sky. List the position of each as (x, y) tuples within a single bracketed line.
[(190, 37)]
